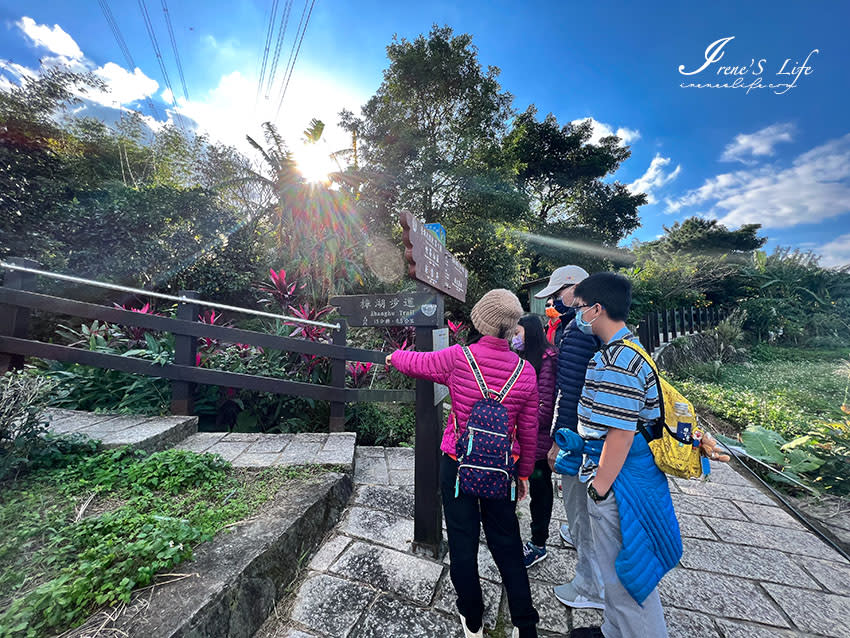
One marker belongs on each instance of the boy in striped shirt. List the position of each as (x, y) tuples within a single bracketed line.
[(623, 484)]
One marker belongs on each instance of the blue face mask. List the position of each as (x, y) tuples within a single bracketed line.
[(559, 305), (585, 326), (517, 343)]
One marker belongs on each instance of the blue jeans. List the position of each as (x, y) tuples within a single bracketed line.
[(464, 516)]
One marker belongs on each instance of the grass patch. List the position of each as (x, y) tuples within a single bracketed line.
[(786, 390), (76, 537)]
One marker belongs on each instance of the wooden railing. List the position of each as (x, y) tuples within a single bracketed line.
[(17, 300), (660, 327)]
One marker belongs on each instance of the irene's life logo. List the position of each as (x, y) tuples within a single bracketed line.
[(748, 76)]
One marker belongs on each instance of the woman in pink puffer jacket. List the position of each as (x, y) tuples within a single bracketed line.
[(495, 316)]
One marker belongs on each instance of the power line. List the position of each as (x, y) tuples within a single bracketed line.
[(122, 45), (266, 50), (152, 36), (174, 46), (294, 56), (284, 21)]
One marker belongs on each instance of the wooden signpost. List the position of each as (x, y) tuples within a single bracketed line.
[(429, 261), (437, 272)]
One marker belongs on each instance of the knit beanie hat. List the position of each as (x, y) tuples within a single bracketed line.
[(498, 311)]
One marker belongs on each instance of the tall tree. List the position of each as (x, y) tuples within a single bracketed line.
[(697, 234), (430, 141), (562, 172), (433, 117)]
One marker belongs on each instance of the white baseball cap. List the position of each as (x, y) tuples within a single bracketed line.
[(562, 277)]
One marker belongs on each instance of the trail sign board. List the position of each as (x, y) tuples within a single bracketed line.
[(429, 261), (400, 309), (441, 341)]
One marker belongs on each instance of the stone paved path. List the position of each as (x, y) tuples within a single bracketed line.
[(266, 450), (181, 432), (749, 569), (150, 433)]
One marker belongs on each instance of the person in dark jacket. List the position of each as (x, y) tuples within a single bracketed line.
[(530, 342), (575, 352)]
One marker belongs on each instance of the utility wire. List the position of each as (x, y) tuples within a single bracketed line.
[(125, 51), (284, 21), (174, 47), (152, 36), (266, 50), (293, 56)]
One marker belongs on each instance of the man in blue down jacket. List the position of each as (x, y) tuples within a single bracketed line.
[(576, 349)]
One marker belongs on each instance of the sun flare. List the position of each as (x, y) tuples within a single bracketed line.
[(314, 163)]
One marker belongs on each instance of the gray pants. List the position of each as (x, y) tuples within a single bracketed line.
[(588, 580), (624, 618)]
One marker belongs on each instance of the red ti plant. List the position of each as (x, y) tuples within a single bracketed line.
[(135, 333), (457, 331), (401, 338), (359, 373), (281, 291), (305, 311)]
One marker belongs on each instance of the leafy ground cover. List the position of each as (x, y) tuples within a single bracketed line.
[(785, 390), (90, 531), (786, 406)]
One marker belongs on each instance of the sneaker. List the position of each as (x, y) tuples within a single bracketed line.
[(566, 536), (587, 632), (471, 634), (533, 554), (568, 595)]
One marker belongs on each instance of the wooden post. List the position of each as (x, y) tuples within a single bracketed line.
[(656, 329), (427, 518), (698, 319), (15, 321), (336, 422), (185, 353), (691, 319), (643, 333), (665, 326), (673, 332)]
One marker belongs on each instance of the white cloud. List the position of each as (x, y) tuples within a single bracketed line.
[(228, 112), (600, 130), (816, 187), (54, 39), (124, 87), (654, 178), (836, 252), (758, 144)]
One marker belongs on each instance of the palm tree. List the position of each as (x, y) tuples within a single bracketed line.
[(316, 227)]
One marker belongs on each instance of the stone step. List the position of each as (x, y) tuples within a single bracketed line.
[(266, 450), (149, 433)]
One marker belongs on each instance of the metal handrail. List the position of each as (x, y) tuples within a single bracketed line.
[(179, 299)]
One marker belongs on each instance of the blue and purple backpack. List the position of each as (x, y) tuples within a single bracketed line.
[(486, 466)]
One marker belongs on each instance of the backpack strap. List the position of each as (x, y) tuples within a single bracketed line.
[(482, 384), (631, 345), (476, 371), (520, 366)]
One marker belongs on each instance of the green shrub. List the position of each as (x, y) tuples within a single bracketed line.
[(57, 565), (382, 424), (22, 420)]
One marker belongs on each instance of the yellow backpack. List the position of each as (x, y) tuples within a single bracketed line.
[(674, 445)]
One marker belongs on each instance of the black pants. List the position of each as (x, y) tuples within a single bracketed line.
[(542, 497), (464, 516)]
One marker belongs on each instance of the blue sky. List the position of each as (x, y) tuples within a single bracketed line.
[(782, 160)]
